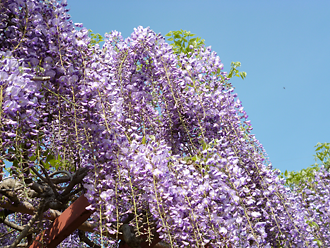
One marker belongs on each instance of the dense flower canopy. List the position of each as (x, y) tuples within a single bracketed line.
[(163, 136)]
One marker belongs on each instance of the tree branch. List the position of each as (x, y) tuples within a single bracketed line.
[(10, 187), (51, 214), (83, 238), (26, 229), (23, 245), (61, 179), (38, 174), (13, 225), (77, 177), (50, 183), (5, 234), (40, 78)]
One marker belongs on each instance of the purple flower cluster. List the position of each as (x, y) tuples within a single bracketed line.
[(8, 234), (174, 141), (315, 198), (164, 138)]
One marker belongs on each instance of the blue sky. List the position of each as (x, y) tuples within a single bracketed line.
[(279, 43)]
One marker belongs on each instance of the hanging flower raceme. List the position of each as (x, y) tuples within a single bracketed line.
[(211, 185)]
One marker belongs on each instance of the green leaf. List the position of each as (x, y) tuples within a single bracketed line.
[(2, 215), (178, 44), (319, 243), (315, 224), (47, 166), (319, 148), (45, 153), (144, 140), (33, 158), (52, 162), (192, 40), (49, 157), (15, 163)]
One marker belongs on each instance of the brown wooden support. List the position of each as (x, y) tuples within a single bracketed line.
[(69, 221), (64, 225), (1, 169)]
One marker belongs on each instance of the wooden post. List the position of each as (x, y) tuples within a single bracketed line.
[(75, 215), (64, 225), (1, 169), (68, 222)]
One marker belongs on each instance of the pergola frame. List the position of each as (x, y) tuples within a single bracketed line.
[(74, 216)]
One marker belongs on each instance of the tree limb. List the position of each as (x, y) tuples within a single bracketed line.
[(83, 238), (77, 177), (13, 225), (26, 229), (51, 214), (40, 78), (50, 183)]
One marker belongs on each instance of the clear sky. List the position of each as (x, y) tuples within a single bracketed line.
[(280, 44)]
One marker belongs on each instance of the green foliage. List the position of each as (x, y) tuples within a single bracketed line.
[(294, 178), (298, 180), (323, 154), (183, 43), (50, 161), (95, 38), (235, 72), (2, 215)]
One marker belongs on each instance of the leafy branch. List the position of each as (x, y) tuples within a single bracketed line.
[(95, 38), (235, 72), (295, 178), (183, 43)]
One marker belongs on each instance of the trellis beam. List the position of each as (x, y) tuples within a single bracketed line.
[(64, 225)]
